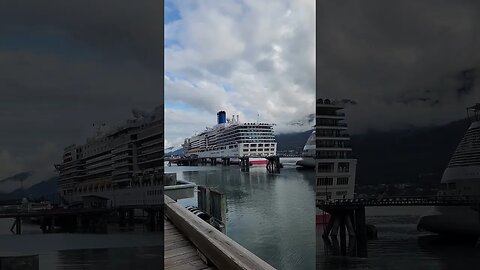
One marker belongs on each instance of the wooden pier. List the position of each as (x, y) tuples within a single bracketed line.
[(82, 220), (216, 249), (180, 253), (273, 162), (349, 216)]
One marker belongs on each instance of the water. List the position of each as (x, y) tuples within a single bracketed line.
[(137, 249), (270, 215), (401, 246)]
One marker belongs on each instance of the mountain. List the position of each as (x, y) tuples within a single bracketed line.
[(292, 141), (19, 177), (416, 155), (46, 188)]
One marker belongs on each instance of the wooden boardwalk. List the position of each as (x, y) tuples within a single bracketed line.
[(180, 253)]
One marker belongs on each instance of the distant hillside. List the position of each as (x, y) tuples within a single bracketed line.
[(292, 141), (177, 152), (45, 188), (414, 155), (17, 177)]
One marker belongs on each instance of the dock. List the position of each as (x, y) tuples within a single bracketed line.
[(348, 216), (180, 253), (186, 233)]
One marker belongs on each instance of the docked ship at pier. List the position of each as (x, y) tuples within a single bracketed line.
[(335, 168), (123, 165), (461, 179), (230, 138), (308, 153)]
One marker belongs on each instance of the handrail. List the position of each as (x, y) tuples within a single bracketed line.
[(221, 250)]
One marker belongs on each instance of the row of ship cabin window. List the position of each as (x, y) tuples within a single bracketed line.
[(338, 193), (259, 150), (154, 192), (328, 181)]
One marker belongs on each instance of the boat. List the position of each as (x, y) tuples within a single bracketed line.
[(233, 139), (461, 179), (122, 165), (308, 153), (335, 168)]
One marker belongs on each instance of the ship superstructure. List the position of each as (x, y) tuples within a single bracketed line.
[(461, 179), (231, 138), (335, 169), (115, 161)]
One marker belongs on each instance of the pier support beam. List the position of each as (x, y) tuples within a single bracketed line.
[(213, 161), (353, 222), (226, 161), (273, 164), (17, 226), (361, 231), (245, 163)]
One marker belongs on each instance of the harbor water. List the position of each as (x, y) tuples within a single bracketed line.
[(272, 215)]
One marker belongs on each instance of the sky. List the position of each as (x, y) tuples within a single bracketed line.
[(65, 65), (255, 59), (402, 63)]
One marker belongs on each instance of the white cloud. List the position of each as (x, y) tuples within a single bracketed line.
[(264, 51)]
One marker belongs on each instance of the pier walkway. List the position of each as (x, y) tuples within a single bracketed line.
[(180, 253), (187, 235)]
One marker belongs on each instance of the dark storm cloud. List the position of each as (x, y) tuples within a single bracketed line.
[(65, 65), (115, 26), (411, 61)]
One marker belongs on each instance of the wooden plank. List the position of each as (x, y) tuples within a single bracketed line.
[(179, 252), (222, 251)]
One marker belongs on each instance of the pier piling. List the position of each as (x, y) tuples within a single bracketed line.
[(245, 163), (273, 164)]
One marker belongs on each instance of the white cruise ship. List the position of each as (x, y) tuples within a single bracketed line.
[(461, 178), (308, 153), (123, 165), (335, 169), (230, 138)]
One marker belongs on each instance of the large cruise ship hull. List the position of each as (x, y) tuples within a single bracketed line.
[(231, 153), (451, 220), (461, 179), (307, 162)]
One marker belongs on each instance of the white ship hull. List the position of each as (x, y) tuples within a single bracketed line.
[(451, 220), (460, 179), (308, 153), (307, 162)]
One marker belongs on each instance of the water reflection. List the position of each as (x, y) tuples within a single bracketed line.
[(272, 215), (401, 246), (112, 258)]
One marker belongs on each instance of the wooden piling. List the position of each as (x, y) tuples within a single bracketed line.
[(361, 231)]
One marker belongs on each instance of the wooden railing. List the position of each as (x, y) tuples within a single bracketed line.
[(219, 249)]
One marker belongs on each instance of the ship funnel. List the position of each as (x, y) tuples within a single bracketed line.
[(221, 117)]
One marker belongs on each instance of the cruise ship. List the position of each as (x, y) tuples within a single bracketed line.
[(230, 138), (335, 169), (123, 165), (308, 153), (461, 178)]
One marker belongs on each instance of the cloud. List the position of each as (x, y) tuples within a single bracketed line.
[(65, 65), (412, 62), (264, 51)]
